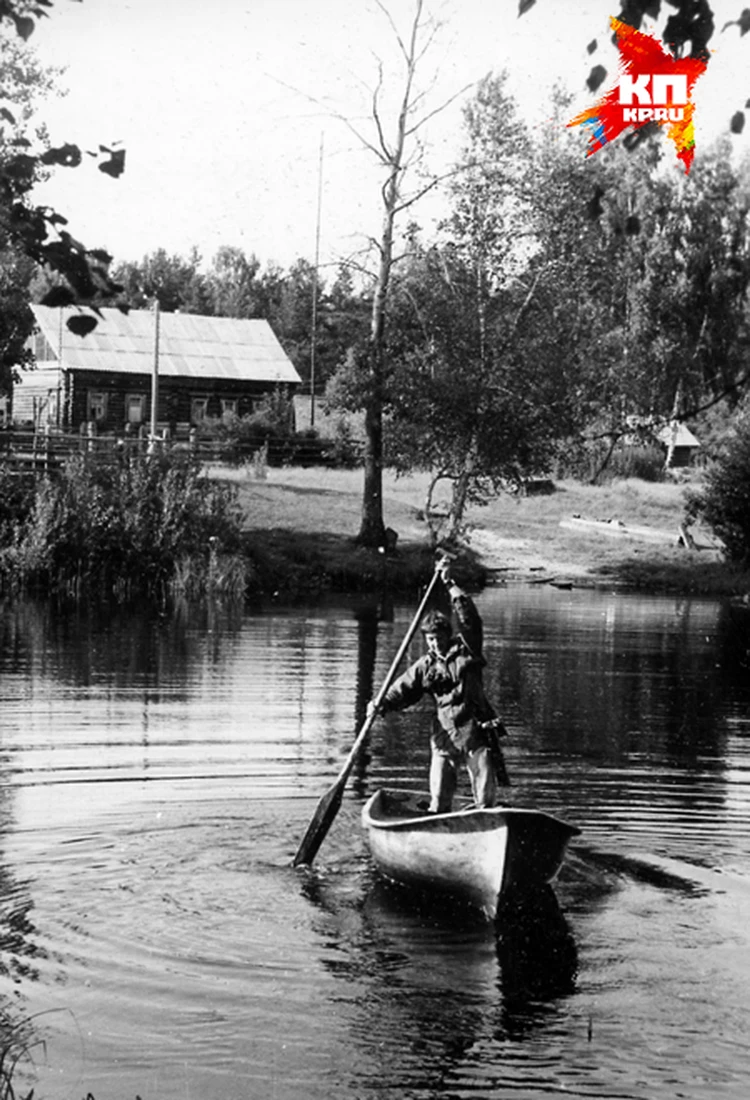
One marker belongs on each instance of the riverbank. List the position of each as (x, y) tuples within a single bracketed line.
[(301, 524)]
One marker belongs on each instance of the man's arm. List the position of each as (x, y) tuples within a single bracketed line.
[(406, 690), (468, 618)]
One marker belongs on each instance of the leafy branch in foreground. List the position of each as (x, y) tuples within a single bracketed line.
[(39, 232)]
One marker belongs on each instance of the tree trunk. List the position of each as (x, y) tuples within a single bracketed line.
[(673, 425), (613, 439), (459, 497), (434, 523), (372, 528)]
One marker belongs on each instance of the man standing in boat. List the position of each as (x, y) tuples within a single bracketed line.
[(465, 729)]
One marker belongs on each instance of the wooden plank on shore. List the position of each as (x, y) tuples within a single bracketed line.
[(617, 529)]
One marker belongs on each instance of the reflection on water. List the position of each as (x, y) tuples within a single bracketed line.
[(429, 982), (157, 774)]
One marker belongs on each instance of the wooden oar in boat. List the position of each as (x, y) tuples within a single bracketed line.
[(330, 803)]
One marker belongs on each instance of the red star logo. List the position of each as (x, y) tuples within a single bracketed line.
[(652, 87)]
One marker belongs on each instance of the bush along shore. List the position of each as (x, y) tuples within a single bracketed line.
[(124, 527)]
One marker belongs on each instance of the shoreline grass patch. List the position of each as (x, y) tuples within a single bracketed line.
[(123, 527)]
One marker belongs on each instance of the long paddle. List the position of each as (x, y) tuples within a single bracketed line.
[(330, 803)]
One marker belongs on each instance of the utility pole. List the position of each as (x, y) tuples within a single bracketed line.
[(313, 338), (154, 380), (58, 399)]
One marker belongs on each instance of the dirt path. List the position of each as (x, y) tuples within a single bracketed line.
[(514, 557)]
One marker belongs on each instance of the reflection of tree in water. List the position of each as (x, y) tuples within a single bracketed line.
[(17, 947), (734, 643), (367, 618), (79, 643), (402, 742), (639, 676), (436, 993)]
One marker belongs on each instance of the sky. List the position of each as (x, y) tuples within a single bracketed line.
[(232, 111)]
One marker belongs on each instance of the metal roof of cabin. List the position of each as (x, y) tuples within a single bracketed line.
[(673, 431), (190, 346), (677, 434)]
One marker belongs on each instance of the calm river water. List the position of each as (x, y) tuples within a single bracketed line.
[(157, 775)]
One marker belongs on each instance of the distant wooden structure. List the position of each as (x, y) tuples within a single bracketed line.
[(679, 444), (674, 438), (208, 368)]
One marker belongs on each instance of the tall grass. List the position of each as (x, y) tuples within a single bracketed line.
[(17, 1041), (131, 525), (598, 465)]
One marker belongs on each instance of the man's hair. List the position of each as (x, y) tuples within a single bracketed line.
[(435, 622)]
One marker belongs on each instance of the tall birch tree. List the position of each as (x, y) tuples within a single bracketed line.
[(398, 148)]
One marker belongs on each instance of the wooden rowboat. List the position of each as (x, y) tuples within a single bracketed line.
[(477, 856)]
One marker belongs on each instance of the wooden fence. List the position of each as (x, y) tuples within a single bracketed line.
[(41, 450)]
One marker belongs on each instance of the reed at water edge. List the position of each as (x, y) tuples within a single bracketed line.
[(132, 525)]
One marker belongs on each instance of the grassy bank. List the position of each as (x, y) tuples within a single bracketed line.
[(301, 524)]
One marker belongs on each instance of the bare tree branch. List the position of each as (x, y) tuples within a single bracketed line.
[(438, 110), (339, 115), (433, 183), (395, 29), (387, 153), (356, 266)]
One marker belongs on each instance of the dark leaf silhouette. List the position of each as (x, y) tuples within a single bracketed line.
[(525, 5), (82, 324), (20, 167), (633, 12), (592, 46), (737, 125), (35, 230), (743, 22), (115, 166), (70, 260), (596, 78), (693, 23), (67, 155), (24, 26), (59, 296)]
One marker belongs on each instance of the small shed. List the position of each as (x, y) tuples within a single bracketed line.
[(206, 368), (678, 442), (665, 435)]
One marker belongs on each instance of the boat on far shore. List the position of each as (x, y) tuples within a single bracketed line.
[(477, 856)]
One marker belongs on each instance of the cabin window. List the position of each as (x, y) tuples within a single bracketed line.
[(228, 408), (96, 405), (135, 408), (198, 410)]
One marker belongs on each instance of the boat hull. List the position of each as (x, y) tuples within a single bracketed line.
[(476, 855)]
